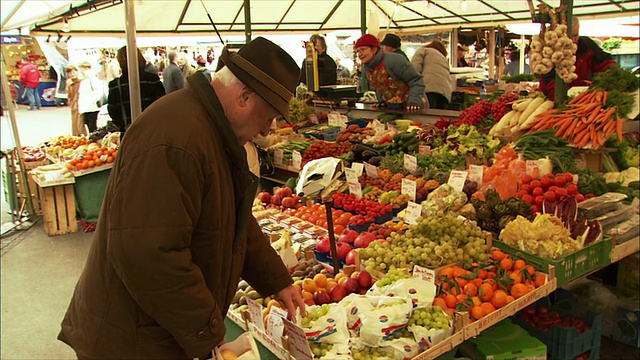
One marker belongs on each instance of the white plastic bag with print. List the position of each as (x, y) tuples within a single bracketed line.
[(355, 305), (367, 351), (428, 338), (401, 349), (420, 292), (330, 328), (380, 324), (338, 352)]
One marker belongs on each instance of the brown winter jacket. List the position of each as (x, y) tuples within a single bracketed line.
[(174, 236)]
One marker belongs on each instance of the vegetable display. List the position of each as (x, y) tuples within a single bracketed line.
[(554, 48), (521, 117), (541, 144)]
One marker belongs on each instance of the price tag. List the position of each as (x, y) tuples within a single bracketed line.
[(255, 313), (334, 118), (358, 167), (371, 170), (476, 173), (355, 189), (377, 125), (352, 176), (425, 274), (409, 188), (410, 162), (297, 159), (343, 120), (275, 326), (424, 149), (575, 179), (278, 156), (532, 168), (457, 178), (53, 176), (413, 212), (314, 119), (298, 344)]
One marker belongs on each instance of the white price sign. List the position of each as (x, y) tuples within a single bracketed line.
[(352, 176), (355, 189), (457, 178), (352, 181), (371, 170), (424, 149), (410, 162), (413, 212), (334, 119), (532, 168), (425, 274), (298, 344), (275, 326), (358, 167), (377, 125), (409, 188), (278, 156), (297, 159), (255, 313), (476, 173)]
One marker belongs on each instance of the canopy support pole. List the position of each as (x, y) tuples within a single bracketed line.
[(132, 59), (523, 46), (561, 86), (363, 16), (454, 48), (492, 53), (247, 21)]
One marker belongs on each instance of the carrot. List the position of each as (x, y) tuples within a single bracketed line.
[(563, 126), (599, 96), (604, 97), (609, 131), (619, 129), (579, 128), (576, 99), (582, 139), (592, 129), (594, 113), (599, 139), (569, 132)]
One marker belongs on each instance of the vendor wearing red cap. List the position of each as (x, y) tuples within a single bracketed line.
[(390, 74)]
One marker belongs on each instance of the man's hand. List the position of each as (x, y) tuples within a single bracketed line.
[(291, 299)]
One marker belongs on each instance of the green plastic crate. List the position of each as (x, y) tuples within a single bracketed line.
[(569, 267)]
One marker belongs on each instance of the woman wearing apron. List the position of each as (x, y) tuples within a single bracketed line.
[(390, 74)]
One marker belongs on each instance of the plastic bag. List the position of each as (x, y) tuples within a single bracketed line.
[(380, 324), (330, 328), (427, 338), (355, 305), (403, 348)]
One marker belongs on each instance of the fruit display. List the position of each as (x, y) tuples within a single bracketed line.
[(482, 287), (282, 198), (476, 115), (551, 188), (354, 132), (322, 149), (56, 145), (362, 206), (493, 213), (32, 154), (432, 242), (316, 214), (288, 147), (91, 156), (388, 185), (52, 172), (403, 143)]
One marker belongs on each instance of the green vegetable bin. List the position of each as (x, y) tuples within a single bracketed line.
[(570, 267)]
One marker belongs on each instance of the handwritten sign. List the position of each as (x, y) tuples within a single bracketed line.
[(352, 176), (255, 313), (355, 189), (425, 274), (352, 181), (297, 159), (371, 170), (410, 162), (409, 188), (476, 173), (413, 212), (457, 178), (275, 325), (278, 156), (334, 119), (531, 168), (424, 149), (358, 167), (298, 344)]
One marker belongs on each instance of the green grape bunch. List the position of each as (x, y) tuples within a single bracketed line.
[(430, 318)]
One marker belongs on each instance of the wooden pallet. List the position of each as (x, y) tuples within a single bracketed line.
[(59, 209)]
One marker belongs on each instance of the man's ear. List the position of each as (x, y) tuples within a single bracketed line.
[(244, 95)]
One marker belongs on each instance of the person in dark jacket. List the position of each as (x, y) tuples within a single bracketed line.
[(172, 75), (119, 102), (202, 67), (327, 69), (392, 43)]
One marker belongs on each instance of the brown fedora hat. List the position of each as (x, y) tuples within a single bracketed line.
[(266, 69)]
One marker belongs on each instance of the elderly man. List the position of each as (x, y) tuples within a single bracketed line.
[(176, 232), (187, 69), (172, 76), (392, 43)]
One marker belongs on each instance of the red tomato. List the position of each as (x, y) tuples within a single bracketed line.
[(589, 196), (560, 180), (560, 192), (546, 182), (539, 200), (550, 195), (526, 179), (534, 184), (528, 198), (568, 177), (537, 191), (572, 189), (579, 198), (525, 187)]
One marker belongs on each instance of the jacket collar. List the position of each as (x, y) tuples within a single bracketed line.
[(376, 59)]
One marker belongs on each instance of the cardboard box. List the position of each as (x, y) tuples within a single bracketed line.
[(244, 346), (504, 341)]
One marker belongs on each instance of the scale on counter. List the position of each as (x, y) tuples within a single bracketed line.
[(337, 95)]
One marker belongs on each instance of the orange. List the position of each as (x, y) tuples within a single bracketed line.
[(109, 159), (510, 299), (506, 264), (485, 292), (320, 280), (339, 276), (439, 301), (498, 255), (499, 299), (306, 295), (531, 270), (518, 290), (477, 282), (539, 281), (470, 289), (488, 308), (516, 276), (331, 284), (461, 282), (448, 272), (458, 271), (342, 280), (69, 166), (482, 274), (309, 285), (451, 301), (449, 312), (519, 264), (477, 312), (476, 301)]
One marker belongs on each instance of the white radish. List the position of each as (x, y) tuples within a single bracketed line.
[(546, 105)]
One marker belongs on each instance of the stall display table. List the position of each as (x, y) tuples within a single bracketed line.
[(89, 191), (58, 206), (368, 111)]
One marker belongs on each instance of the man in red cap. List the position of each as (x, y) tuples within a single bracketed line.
[(391, 75), (176, 231)]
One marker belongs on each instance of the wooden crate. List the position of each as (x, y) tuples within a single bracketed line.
[(58, 209)]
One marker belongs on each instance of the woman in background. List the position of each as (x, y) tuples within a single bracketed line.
[(73, 91), (431, 62), (90, 92)]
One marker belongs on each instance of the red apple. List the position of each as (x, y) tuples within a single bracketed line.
[(337, 293), (364, 239), (288, 202), (348, 236), (362, 291), (350, 285), (364, 279), (276, 199), (321, 297), (343, 250), (285, 191), (309, 302), (264, 197), (323, 245), (351, 257)]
